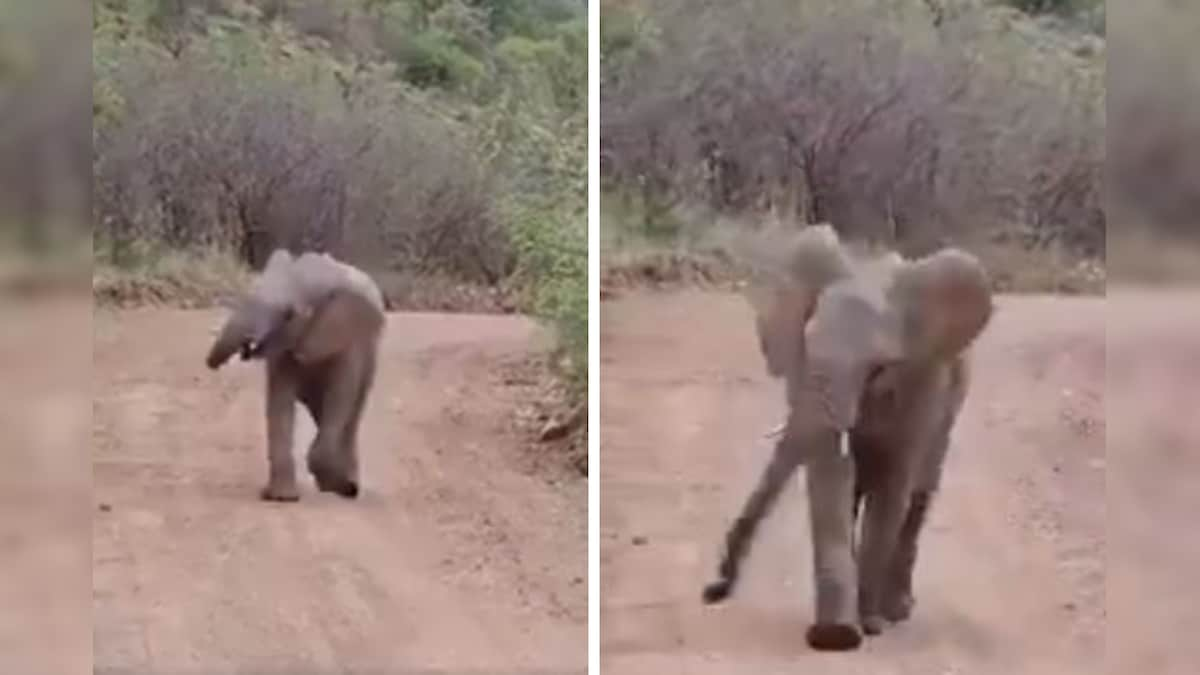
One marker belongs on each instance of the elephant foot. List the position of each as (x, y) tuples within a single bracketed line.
[(717, 591), (331, 481), (346, 488), (873, 624), (279, 492), (899, 608), (833, 637)]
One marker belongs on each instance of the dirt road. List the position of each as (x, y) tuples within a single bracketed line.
[(1153, 401), (1011, 577), (457, 557)]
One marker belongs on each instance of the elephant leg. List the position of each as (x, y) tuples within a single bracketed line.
[(311, 395), (313, 386), (281, 412), (886, 510), (740, 536), (325, 458), (349, 446), (831, 485), (898, 598)]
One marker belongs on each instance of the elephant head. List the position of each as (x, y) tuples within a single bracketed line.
[(310, 306), (839, 331)]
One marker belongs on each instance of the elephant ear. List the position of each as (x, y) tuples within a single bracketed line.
[(343, 316), (780, 315), (945, 301), (816, 260)]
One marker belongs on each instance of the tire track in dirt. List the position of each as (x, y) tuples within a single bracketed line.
[(1011, 576), (453, 557)]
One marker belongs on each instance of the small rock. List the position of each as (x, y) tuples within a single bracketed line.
[(554, 430), (105, 507), (640, 541)]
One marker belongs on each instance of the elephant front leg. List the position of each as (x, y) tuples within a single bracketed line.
[(831, 481), (898, 596), (281, 411), (886, 511)]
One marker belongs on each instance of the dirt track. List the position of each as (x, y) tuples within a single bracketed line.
[(458, 556), (1154, 485), (1011, 577)]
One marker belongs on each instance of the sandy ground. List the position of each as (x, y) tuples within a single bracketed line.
[(1153, 401), (457, 557), (45, 487), (1012, 572)]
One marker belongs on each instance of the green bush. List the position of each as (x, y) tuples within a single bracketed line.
[(1060, 7), (432, 59), (553, 263)]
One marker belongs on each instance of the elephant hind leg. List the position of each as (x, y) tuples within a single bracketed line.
[(333, 459), (338, 407), (310, 396), (348, 450)]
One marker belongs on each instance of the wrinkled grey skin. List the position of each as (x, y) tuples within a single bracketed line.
[(316, 323), (874, 358)]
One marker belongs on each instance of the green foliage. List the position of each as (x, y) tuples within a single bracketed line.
[(527, 17), (1060, 7), (553, 255), (432, 59), (627, 35)]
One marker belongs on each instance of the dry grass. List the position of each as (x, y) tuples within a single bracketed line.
[(188, 280), (65, 270), (432, 293), (665, 269), (725, 258), (1138, 257), (548, 415), (199, 280), (1015, 269)]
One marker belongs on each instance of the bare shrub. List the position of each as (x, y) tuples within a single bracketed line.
[(894, 134), (204, 161), (1154, 103), (44, 134)]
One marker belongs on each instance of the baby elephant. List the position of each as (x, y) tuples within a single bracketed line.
[(874, 356), (316, 323)]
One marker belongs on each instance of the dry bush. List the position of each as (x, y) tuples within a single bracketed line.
[(893, 135), (1154, 103), (45, 145), (202, 160)]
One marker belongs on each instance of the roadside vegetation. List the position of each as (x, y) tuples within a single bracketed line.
[(438, 144), (905, 124)]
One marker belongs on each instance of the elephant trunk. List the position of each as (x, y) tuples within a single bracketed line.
[(234, 336), (249, 330)]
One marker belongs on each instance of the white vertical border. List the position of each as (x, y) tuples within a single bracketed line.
[(593, 388)]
